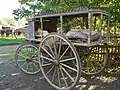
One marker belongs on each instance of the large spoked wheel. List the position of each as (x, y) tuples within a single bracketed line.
[(27, 58), (59, 62), (94, 59)]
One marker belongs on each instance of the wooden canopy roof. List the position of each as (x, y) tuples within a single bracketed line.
[(78, 11)]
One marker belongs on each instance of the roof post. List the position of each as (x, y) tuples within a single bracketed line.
[(90, 26), (61, 21), (100, 28), (41, 22), (101, 21), (108, 31)]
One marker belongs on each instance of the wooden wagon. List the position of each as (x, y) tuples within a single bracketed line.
[(62, 53)]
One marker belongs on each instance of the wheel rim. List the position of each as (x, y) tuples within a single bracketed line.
[(27, 59), (95, 60), (57, 65)]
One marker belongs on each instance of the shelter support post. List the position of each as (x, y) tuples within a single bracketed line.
[(108, 31), (100, 28), (90, 26), (61, 22), (101, 21), (41, 21)]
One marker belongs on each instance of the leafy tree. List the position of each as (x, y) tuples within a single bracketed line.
[(34, 7)]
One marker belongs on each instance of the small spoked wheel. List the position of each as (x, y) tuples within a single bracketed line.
[(27, 58), (95, 60), (19, 35), (59, 61)]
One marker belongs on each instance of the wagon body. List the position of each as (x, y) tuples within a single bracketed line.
[(51, 21)]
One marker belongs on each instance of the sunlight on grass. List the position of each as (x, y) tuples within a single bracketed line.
[(5, 54), (4, 41), (10, 55)]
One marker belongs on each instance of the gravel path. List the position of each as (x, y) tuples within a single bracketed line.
[(12, 78)]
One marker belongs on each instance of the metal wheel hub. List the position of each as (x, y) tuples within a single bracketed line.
[(29, 60), (56, 62)]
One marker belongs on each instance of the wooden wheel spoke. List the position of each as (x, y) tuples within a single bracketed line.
[(50, 49), (36, 61), (63, 77), (98, 64), (35, 66), (73, 69), (90, 62), (59, 48), (48, 53), (27, 49), (35, 58), (24, 64), (65, 60), (46, 58), (23, 56), (23, 53), (48, 64), (58, 74), (31, 67), (54, 45), (67, 73), (34, 53), (87, 65), (50, 70), (27, 67), (31, 50), (93, 67), (21, 60), (54, 73), (64, 53)]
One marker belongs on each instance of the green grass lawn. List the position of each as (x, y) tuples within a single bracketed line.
[(4, 41)]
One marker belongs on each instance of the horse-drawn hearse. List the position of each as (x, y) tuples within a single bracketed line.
[(64, 45)]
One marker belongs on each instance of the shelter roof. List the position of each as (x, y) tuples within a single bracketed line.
[(72, 12)]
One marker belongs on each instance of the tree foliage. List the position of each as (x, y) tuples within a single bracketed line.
[(33, 7)]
